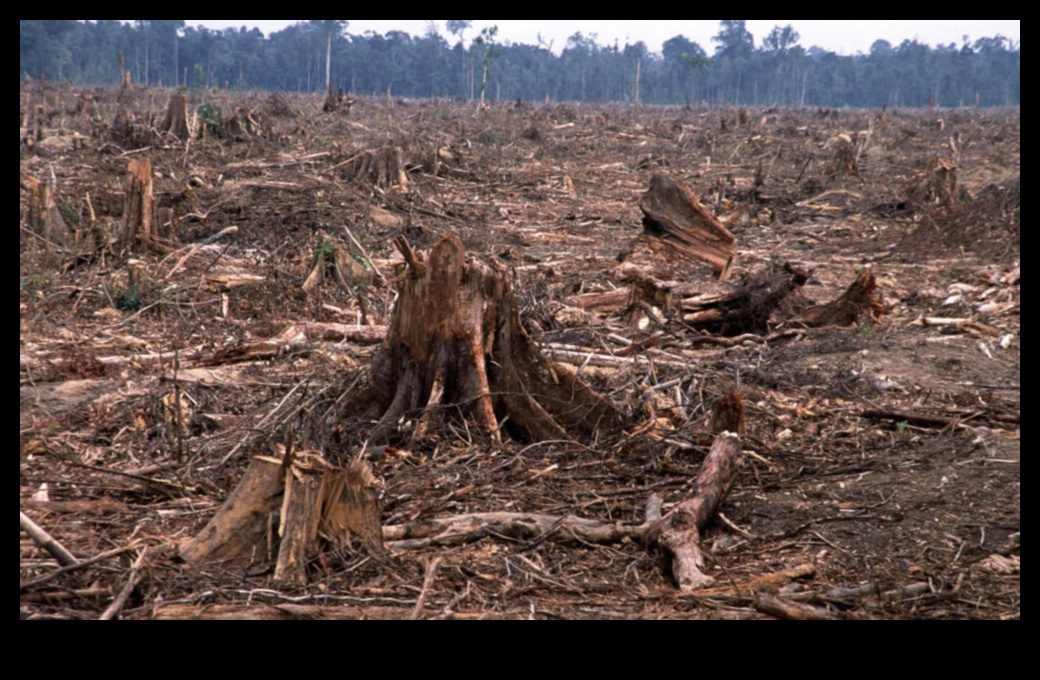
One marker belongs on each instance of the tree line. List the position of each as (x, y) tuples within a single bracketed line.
[(305, 56)]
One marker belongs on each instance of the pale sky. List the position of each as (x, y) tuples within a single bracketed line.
[(841, 36)]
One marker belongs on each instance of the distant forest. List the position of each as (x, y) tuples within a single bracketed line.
[(736, 69)]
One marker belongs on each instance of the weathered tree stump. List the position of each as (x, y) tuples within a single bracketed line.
[(455, 339), (383, 167), (139, 208), (748, 307), (176, 120)]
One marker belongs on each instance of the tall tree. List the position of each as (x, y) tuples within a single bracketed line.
[(734, 40), (486, 39), (332, 28)]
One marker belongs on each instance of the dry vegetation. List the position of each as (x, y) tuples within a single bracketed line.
[(238, 317)]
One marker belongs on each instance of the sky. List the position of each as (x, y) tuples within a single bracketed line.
[(844, 37)]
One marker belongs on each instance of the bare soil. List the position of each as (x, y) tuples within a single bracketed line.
[(882, 473)]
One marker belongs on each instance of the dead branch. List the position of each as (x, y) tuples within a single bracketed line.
[(46, 541), (678, 532), (786, 609)]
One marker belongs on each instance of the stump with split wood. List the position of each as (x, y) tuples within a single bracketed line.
[(455, 345), (287, 511), (677, 226), (383, 167)]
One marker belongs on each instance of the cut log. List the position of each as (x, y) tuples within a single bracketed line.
[(675, 221), (455, 338)]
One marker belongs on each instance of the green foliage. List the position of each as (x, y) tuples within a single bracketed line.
[(37, 286), (69, 209), (902, 425), (209, 112), (326, 251), (126, 299)]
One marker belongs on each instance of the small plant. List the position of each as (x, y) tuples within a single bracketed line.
[(209, 113), (127, 299), (865, 330), (325, 251), (37, 285), (902, 425), (69, 209)]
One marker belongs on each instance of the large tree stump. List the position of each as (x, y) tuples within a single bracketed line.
[(455, 339)]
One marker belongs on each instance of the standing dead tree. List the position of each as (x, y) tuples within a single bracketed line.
[(455, 340)]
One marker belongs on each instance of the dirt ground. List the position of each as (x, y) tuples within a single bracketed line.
[(881, 475)]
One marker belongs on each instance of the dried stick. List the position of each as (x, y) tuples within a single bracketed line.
[(131, 583), (46, 541)]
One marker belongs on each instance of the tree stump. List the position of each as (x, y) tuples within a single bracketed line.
[(176, 120), (139, 207), (455, 339), (859, 299), (383, 167), (287, 511)]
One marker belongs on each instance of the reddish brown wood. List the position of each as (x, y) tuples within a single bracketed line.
[(673, 215), (456, 339)]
